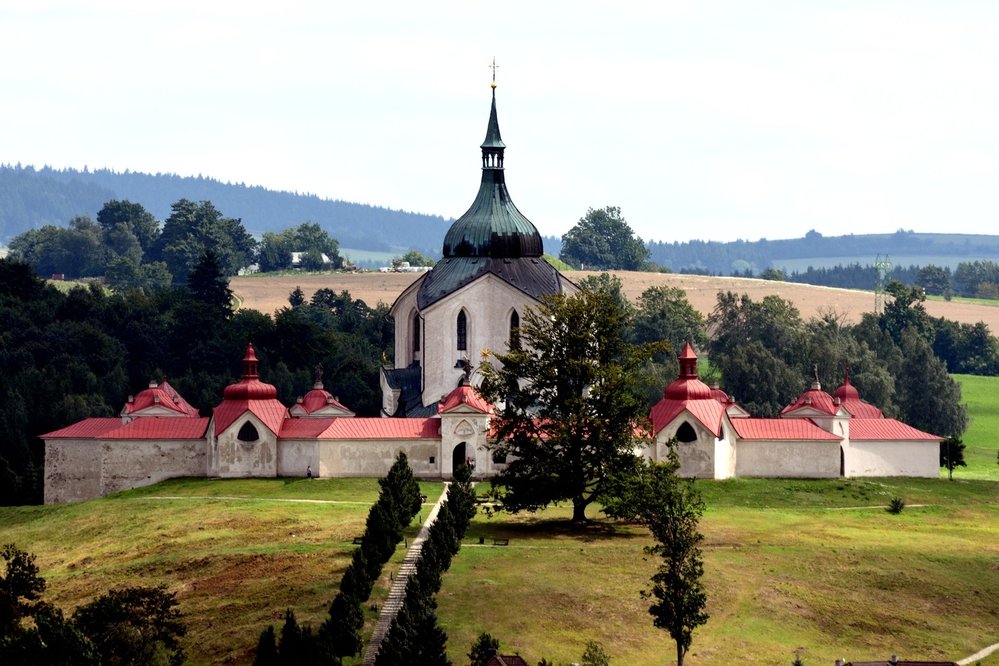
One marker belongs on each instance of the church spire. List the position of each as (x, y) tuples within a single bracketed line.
[(492, 226), (492, 145)]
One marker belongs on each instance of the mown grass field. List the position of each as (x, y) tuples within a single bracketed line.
[(981, 440), (815, 565)]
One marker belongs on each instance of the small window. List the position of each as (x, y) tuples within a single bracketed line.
[(499, 457), (686, 434), (433, 460), (514, 330), (247, 433), (416, 332), (462, 332)]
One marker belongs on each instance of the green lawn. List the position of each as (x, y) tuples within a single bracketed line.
[(815, 565), (235, 564), (981, 440)]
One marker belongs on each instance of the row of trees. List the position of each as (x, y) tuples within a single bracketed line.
[(766, 353), (415, 637), (135, 625), (130, 248), (67, 356), (978, 279), (339, 636)]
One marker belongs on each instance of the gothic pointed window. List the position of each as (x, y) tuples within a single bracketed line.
[(462, 330), (248, 433), (416, 332), (514, 330), (685, 433)]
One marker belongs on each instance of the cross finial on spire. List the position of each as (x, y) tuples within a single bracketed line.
[(494, 66)]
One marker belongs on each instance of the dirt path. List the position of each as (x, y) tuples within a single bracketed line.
[(981, 654), (268, 294)]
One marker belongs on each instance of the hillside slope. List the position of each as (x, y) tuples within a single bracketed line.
[(268, 293)]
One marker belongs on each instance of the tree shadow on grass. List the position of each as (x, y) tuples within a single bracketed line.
[(525, 526)]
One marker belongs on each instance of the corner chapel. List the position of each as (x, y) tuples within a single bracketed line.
[(492, 270)]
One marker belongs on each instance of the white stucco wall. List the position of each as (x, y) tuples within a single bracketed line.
[(471, 427), (787, 459), (233, 458), (697, 458), (295, 456), (725, 452), (85, 469), (345, 458), (895, 458), (488, 303), (72, 470), (132, 464)]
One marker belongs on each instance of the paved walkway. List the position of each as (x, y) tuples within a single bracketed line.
[(398, 592), (981, 654)]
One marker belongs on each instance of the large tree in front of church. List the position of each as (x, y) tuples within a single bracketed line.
[(567, 412)]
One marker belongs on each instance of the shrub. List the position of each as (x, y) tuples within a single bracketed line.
[(896, 505)]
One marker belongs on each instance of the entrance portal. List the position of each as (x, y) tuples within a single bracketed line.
[(459, 456)]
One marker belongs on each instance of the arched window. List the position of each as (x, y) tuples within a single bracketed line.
[(247, 433), (416, 332), (685, 433), (514, 330), (462, 332)]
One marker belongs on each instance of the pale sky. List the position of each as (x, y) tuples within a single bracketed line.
[(713, 120)]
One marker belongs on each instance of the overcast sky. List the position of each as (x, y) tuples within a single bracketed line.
[(713, 120)]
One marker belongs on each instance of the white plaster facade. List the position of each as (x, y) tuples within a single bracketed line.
[(79, 469), (490, 305)]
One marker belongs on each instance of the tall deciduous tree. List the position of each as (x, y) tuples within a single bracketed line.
[(193, 228), (568, 410), (671, 508), (602, 239), (131, 218)]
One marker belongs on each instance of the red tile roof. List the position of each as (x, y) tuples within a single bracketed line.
[(146, 428), (319, 398), (780, 429), (815, 398), (707, 411), (270, 412), (85, 429), (305, 428), (384, 428), (872, 430), (849, 398), (162, 395), (465, 396)]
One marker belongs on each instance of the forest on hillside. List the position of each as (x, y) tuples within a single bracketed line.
[(34, 197), (31, 198)]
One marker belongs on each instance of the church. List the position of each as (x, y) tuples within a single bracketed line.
[(491, 271)]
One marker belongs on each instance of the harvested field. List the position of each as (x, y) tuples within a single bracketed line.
[(268, 294)]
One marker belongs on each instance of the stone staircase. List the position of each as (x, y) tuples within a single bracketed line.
[(398, 592)]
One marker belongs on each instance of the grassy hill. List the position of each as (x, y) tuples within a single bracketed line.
[(815, 566)]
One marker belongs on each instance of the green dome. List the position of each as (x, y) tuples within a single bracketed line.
[(492, 226)]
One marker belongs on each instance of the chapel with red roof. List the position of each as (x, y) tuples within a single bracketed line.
[(491, 272), (817, 436)]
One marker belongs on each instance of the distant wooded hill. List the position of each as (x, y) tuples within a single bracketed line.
[(795, 255), (31, 198)]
